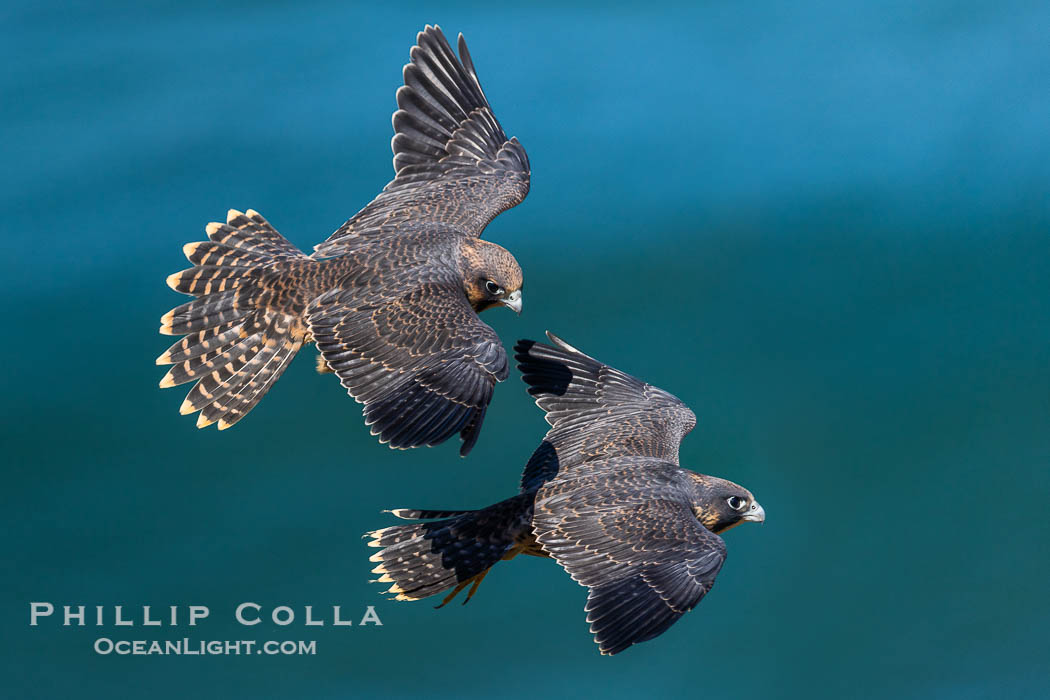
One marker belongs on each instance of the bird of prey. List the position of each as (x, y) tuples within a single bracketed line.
[(391, 298), (603, 495)]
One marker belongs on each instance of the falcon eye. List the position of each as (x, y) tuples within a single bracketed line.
[(492, 287), (736, 503)]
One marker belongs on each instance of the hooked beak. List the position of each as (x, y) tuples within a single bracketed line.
[(513, 301), (755, 513)]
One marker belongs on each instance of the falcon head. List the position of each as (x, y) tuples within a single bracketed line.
[(491, 275), (721, 504)]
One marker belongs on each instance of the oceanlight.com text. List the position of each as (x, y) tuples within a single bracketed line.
[(190, 647)]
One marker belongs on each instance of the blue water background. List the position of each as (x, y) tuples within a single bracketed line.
[(824, 225)]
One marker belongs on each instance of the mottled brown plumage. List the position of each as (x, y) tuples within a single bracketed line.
[(391, 298), (603, 495)]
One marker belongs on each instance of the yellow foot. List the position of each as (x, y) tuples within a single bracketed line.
[(476, 580)]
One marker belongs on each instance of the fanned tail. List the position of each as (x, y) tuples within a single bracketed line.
[(233, 349), (426, 558)]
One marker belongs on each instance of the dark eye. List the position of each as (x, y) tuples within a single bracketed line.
[(736, 503), (492, 287)]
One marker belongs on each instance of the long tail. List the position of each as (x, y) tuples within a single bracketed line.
[(427, 558), (235, 348)]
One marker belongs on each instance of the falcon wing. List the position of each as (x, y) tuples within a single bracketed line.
[(635, 543), (595, 411), (454, 164), (424, 365)]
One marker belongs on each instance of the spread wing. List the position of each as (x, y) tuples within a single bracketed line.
[(454, 164), (424, 365), (635, 543), (595, 411)]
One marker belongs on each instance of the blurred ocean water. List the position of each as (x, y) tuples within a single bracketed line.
[(825, 226)]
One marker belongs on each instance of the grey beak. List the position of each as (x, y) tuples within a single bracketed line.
[(513, 301), (756, 513)]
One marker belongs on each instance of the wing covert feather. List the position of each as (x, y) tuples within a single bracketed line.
[(595, 411), (424, 365), (630, 536)]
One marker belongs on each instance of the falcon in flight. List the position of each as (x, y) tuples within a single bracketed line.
[(603, 495), (392, 298)]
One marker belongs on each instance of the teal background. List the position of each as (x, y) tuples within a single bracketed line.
[(823, 225)]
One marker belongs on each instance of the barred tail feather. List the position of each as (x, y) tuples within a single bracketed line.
[(239, 400), (203, 313), (424, 559), (201, 342), (205, 279), (234, 350), (194, 368), (412, 514), (250, 232)]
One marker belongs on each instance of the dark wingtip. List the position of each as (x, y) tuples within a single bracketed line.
[(464, 55), (545, 371), (523, 346), (521, 349), (468, 442), (431, 30), (472, 431)]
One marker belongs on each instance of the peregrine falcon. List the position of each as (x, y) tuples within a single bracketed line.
[(603, 495), (391, 298)]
